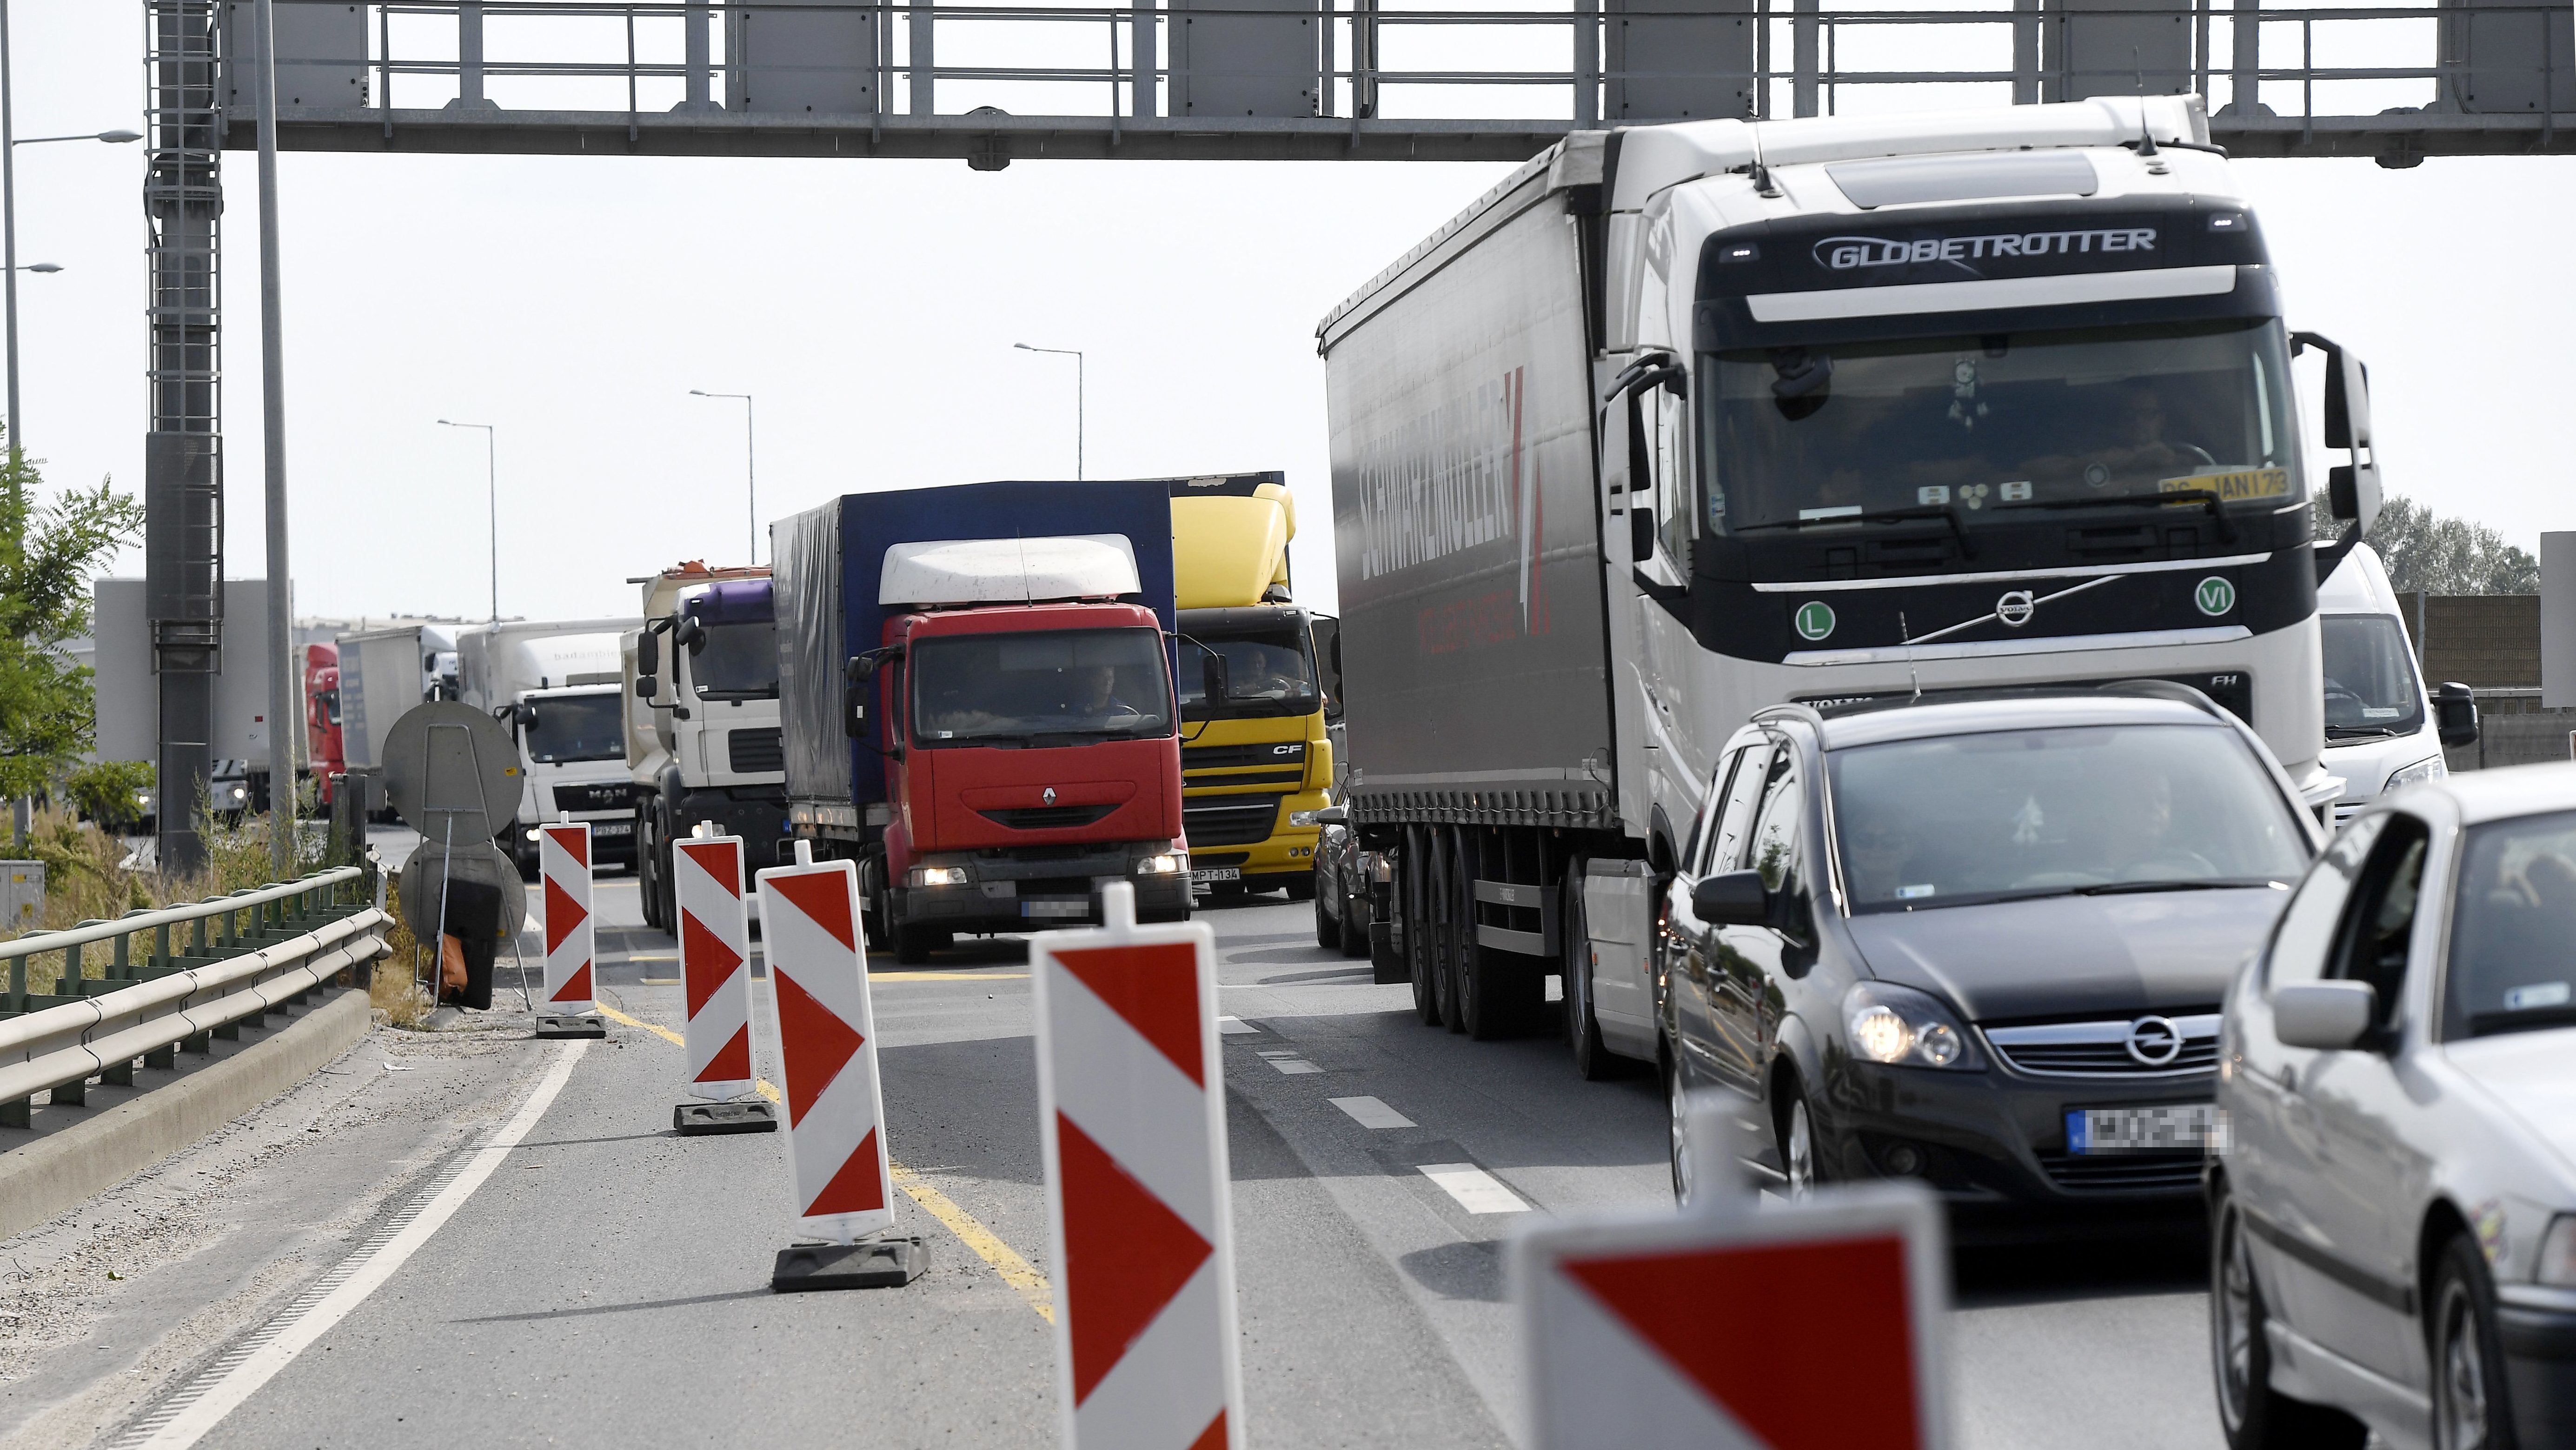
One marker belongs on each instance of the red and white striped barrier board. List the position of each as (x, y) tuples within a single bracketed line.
[(827, 1050), (563, 860), (1131, 1107), (1630, 1338), (715, 975)]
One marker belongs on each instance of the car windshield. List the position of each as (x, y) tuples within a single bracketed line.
[(735, 662), (1268, 673), (2510, 970), (2012, 813), (576, 727), (2370, 677), (1024, 689), (1799, 438)]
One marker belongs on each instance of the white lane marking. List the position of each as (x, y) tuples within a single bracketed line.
[(1292, 1066), (1370, 1113), (1476, 1190), (1234, 1026), (226, 1394)]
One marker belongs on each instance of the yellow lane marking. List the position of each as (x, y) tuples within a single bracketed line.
[(1015, 1271)]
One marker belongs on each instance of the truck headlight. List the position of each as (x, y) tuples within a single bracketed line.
[(2557, 1266), (2429, 768), (1903, 1027), (1301, 818), (1164, 863), (935, 876)]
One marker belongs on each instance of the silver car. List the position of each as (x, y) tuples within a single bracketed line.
[(2393, 1203)]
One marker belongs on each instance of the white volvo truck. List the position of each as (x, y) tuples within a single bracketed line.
[(557, 689), (1679, 422)]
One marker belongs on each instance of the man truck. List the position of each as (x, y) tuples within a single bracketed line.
[(976, 688), (1256, 761), (702, 735), (1683, 421), (557, 689)]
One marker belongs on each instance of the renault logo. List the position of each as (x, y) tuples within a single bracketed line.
[(2155, 1041), (2015, 609), (1049, 799)]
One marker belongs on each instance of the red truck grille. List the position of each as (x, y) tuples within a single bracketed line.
[(1048, 818)]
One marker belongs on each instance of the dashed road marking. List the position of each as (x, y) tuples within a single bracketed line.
[(1476, 1190), (1235, 1027), (1016, 1271), (1370, 1113), (1288, 1061)]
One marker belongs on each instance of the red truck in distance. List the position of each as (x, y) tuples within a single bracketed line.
[(322, 748)]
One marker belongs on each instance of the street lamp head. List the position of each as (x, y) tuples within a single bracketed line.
[(1024, 347), (696, 393), (119, 138), (43, 267), (443, 423)]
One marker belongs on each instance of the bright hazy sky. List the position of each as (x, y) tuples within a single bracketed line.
[(871, 307)]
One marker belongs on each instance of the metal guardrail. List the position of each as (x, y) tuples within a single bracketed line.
[(1325, 78), (212, 966)]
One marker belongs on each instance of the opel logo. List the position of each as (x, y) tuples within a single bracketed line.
[(2015, 609), (1049, 799), (2155, 1041)]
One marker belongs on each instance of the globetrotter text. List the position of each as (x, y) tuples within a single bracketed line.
[(1842, 254)]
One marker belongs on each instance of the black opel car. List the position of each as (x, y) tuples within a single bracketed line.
[(1977, 939)]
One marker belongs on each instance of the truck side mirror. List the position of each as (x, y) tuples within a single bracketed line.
[(690, 634), (859, 669), (645, 686), (1212, 676), (2353, 489), (2455, 713), (648, 653), (854, 708), (524, 716)]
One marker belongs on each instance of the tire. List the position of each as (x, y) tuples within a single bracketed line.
[(1421, 943), (2472, 1404), (1352, 927), (1676, 1111), (1795, 1129), (526, 861), (1453, 935), (1300, 888), (1592, 1060), (1328, 932), (2253, 1415)]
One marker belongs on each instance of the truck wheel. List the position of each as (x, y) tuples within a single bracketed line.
[(1412, 907), (1592, 1060), (1353, 927), (1457, 932), (526, 861)]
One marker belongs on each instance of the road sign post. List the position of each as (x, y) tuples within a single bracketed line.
[(1813, 1324), (838, 1163), (715, 982), (1131, 1111), (563, 862)]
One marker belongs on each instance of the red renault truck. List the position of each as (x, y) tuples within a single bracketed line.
[(976, 697), (322, 750)]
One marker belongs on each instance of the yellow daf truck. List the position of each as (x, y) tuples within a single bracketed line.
[(1255, 672)]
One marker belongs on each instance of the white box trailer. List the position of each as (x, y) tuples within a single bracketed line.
[(1682, 422), (129, 697)]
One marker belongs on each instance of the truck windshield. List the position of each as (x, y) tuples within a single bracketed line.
[(1267, 673), (2073, 810), (576, 727), (1807, 438), (2370, 678), (1037, 689), (736, 662)]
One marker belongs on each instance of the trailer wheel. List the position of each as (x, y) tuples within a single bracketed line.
[(1413, 905), (1455, 930)]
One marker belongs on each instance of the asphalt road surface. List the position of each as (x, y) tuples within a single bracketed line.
[(606, 1283)]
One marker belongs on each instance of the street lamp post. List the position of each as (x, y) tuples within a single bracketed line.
[(492, 473), (750, 479), (1078, 405), (9, 144)]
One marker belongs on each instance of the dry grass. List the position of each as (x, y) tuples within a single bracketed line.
[(395, 991)]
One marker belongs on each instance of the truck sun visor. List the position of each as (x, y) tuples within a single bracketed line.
[(989, 571), (733, 601)]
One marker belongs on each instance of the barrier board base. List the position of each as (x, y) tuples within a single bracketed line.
[(881, 1263), (582, 1026), (694, 1119)]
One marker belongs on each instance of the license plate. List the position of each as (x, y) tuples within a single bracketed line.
[(612, 828), (2179, 1128), (1216, 873), (1055, 908)]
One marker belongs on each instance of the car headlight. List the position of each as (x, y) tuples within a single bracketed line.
[(1167, 863), (2558, 1254), (1904, 1028), (535, 834), (2429, 768), (935, 876)]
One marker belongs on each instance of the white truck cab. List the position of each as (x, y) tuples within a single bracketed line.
[(2382, 728), (558, 690)]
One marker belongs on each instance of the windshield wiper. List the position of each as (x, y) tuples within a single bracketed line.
[(2209, 496), (2220, 883), (2362, 732), (1948, 513)]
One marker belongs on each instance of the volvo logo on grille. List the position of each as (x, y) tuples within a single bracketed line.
[(2015, 609), (1049, 799), (2155, 1041)]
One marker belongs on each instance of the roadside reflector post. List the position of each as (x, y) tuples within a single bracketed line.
[(837, 1160), (563, 863), (715, 985), (1131, 1111), (1627, 1338)]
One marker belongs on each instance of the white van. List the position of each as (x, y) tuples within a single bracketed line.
[(2382, 730)]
